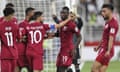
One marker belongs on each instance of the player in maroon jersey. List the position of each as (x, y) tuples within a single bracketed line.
[(8, 35), (106, 46), (67, 50), (35, 34), (22, 60)]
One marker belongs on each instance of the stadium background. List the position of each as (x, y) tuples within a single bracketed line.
[(91, 32)]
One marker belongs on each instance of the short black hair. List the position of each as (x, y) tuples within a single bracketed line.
[(109, 6), (9, 5), (8, 11), (65, 8), (37, 14), (28, 10)]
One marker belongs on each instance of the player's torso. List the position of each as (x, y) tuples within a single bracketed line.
[(8, 35), (22, 45), (106, 34), (66, 37), (35, 34)]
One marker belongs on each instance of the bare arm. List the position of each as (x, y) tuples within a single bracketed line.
[(110, 43), (62, 23), (79, 38)]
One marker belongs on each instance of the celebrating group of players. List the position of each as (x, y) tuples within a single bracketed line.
[(22, 44)]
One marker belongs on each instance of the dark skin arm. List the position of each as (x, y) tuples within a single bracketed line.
[(79, 38)]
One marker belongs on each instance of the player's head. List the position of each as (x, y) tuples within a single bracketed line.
[(107, 10), (29, 11), (9, 12), (38, 15), (64, 13), (9, 5)]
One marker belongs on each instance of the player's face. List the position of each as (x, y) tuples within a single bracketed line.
[(64, 14), (41, 18), (105, 12)]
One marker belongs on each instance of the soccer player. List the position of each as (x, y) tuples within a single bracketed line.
[(22, 61), (67, 50), (8, 35), (76, 60), (106, 46), (35, 34)]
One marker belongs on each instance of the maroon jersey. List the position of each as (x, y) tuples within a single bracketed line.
[(35, 35), (8, 35), (22, 45), (66, 36), (110, 29)]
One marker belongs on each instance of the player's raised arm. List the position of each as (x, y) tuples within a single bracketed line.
[(55, 18), (61, 24)]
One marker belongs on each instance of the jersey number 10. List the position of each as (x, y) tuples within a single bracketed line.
[(33, 36)]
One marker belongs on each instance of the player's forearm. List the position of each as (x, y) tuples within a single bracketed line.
[(79, 38), (62, 23), (110, 43)]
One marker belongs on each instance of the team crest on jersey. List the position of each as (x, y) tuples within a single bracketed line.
[(65, 28), (106, 26), (27, 28), (15, 22)]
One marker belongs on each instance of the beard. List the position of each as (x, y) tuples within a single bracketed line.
[(106, 18)]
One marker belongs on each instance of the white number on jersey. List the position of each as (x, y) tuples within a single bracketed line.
[(9, 37), (65, 58), (33, 36)]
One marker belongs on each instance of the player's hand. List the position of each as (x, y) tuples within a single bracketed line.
[(54, 16), (71, 17), (107, 53), (96, 49)]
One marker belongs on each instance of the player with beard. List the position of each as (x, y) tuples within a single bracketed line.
[(67, 50), (79, 23), (106, 46)]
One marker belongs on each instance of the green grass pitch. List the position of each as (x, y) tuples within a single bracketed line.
[(114, 66)]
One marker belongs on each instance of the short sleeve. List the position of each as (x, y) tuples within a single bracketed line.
[(113, 30), (74, 28)]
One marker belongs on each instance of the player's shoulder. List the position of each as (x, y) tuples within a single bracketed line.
[(114, 22), (23, 23)]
